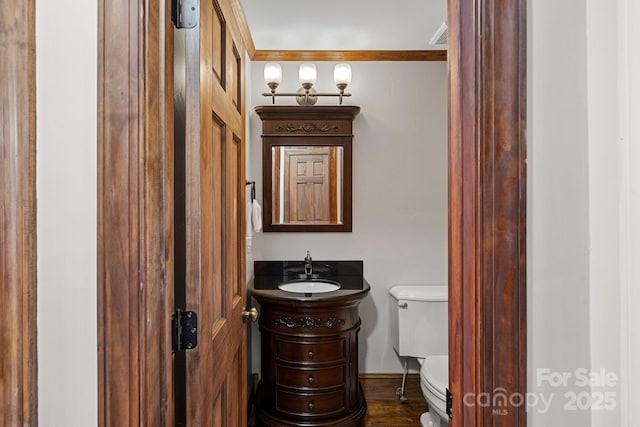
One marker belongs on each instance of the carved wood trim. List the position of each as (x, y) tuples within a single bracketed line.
[(18, 341), (487, 212), (350, 55), (307, 127), (135, 137), (308, 322)]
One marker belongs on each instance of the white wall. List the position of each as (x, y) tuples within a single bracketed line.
[(629, 175), (604, 201), (66, 74), (399, 187), (584, 201), (558, 203)]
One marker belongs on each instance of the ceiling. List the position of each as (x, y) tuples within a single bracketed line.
[(344, 24)]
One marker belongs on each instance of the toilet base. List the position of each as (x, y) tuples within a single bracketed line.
[(432, 420)]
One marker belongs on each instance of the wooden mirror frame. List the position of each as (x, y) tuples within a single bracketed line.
[(270, 198), (296, 126)]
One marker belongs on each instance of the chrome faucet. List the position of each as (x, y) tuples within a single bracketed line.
[(308, 264)]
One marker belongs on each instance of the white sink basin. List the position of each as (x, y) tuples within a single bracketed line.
[(310, 286)]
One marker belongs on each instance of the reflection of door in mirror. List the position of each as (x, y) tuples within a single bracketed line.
[(306, 183)]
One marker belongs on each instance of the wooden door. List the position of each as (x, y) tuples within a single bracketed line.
[(214, 188)]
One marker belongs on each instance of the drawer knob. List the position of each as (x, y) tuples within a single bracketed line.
[(310, 354), (310, 379), (311, 406)]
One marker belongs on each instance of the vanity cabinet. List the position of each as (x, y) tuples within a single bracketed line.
[(310, 363)]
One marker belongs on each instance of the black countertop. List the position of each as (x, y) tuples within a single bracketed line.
[(269, 274)]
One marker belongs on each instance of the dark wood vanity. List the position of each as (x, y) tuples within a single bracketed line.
[(309, 354)]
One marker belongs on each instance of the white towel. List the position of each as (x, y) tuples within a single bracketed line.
[(249, 216), (256, 216)]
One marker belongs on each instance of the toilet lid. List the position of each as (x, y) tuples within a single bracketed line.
[(436, 373)]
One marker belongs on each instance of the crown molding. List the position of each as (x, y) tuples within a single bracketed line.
[(350, 55)]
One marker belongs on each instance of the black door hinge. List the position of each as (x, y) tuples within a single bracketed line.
[(184, 330), (184, 13), (449, 404)]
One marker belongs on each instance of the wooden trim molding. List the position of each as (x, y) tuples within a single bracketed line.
[(18, 283), (135, 249), (487, 211), (350, 55), (243, 29), (387, 376)]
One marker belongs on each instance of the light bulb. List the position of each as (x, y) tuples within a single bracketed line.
[(272, 74), (342, 75), (307, 75)]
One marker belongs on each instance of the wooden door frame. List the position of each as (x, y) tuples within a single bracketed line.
[(18, 284), (135, 216), (487, 181), (487, 209)]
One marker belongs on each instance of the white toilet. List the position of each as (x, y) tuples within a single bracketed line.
[(419, 316)]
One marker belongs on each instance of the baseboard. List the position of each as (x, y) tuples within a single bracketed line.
[(385, 376)]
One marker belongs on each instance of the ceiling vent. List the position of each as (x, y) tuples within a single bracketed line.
[(440, 37)]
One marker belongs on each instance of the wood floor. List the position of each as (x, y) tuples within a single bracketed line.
[(383, 406), (384, 409)]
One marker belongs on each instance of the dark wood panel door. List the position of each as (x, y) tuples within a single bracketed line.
[(214, 176)]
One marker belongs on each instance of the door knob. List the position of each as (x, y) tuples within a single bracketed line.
[(252, 314)]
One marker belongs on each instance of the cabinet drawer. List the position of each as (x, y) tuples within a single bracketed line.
[(312, 378), (326, 351), (320, 404)]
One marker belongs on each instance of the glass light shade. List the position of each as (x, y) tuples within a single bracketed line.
[(307, 74), (272, 73), (342, 74)]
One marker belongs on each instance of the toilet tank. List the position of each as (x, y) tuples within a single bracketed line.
[(419, 320)]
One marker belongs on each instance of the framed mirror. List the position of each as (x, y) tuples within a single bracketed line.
[(306, 163), (309, 186)]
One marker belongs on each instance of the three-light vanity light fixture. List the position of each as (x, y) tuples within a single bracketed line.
[(307, 75)]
